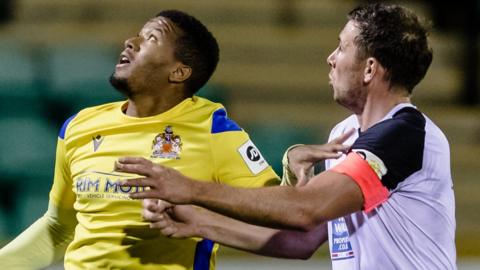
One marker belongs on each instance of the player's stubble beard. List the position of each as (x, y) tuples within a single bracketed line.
[(121, 84)]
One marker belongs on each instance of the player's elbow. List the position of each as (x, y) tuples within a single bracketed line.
[(310, 219), (303, 250), (305, 254)]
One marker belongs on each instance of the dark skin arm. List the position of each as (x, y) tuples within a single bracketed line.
[(183, 221)]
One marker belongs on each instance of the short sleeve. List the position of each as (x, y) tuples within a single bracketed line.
[(394, 147), (385, 155), (237, 161)]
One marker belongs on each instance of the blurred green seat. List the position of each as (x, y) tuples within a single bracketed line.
[(19, 93), (27, 165), (214, 92), (80, 78), (29, 146)]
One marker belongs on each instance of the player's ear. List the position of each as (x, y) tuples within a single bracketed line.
[(371, 68), (180, 74)]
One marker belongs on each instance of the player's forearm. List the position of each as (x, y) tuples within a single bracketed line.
[(43, 243), (327, 196), (262, 206), (261, 240)]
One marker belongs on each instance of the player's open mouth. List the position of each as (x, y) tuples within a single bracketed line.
[(124, 60)]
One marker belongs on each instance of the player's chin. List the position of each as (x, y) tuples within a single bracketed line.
[(120, 73), (120, 82)]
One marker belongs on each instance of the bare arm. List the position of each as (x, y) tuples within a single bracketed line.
[(188, 221), (326, 196)]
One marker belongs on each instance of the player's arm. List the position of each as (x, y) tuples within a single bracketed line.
[(326, 196), (329, 195), (45, 241), (184, 221)]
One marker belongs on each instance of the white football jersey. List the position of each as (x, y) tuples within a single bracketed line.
[(413, 227)]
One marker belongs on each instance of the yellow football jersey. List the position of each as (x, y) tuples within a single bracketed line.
[(195, 137)]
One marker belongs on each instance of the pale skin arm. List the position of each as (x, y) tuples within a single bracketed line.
[(184, 221)]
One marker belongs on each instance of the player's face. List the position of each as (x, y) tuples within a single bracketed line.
[(346, 71), (148, 58)]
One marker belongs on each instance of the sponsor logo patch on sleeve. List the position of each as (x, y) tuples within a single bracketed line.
[(374, 161), (252, 157)]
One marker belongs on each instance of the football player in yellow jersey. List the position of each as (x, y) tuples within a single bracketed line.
[(91, 221)]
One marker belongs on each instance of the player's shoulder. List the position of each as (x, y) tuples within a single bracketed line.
[(205, 106), (409, 116), (344, 126), (406, 121), (220, 122), (402, 131), (85, 116)]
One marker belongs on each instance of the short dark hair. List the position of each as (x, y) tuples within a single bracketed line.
[(196, 47), (396, 38)]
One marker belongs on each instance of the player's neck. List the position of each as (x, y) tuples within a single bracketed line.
[(378, 104), (144, 105)]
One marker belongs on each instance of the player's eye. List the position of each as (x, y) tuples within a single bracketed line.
[(152, 38)]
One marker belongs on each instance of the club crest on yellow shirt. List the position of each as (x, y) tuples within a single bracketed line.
[(167, 145)]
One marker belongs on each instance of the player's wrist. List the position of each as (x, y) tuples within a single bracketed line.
[(195, 190)]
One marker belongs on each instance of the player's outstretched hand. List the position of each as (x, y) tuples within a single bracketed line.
[(164, 183), (176, 221), (302, 158)]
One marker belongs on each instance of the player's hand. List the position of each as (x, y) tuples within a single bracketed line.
[(302, 158), (179, 221), (153, 209), (164, 183)]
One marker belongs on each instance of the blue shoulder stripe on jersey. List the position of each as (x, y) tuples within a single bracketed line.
[(222, 123), (61, 134), (203, 253)]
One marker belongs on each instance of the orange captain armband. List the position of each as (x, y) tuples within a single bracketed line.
[(374, 193)]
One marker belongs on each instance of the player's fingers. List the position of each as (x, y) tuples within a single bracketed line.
[(164, 205), (134, 160), (329, 155), (160, 224), (139, 162), (147, 194), (140, 169), (344, 136), (138, 182), (150, 204), (331, 152), (167, 226), (152, 216), (301, 177), (169, 231), (340, 148)]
